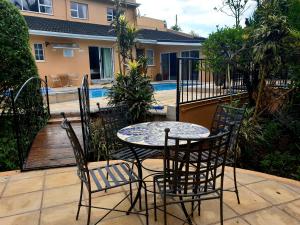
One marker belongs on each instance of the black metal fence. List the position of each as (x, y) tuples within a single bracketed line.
[(28, 111), (196, 81)]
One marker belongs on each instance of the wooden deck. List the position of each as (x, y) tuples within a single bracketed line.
[(51, 148)]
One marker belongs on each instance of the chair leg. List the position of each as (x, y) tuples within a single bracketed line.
[(146, 205), (107, 164), (199, 208), (89, 208), (235, 182), (80, 198), (140, 198), (154, 195), (221, 208), (192, 208), (130, 189), (165, 209)]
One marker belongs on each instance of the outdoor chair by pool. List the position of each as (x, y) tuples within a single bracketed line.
[(113, 119), (194, 179), (95, 179), (84, 106), (225, 116)]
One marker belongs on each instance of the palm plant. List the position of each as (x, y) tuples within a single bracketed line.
[(134, 90)]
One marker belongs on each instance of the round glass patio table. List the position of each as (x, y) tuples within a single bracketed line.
[(152, 134)]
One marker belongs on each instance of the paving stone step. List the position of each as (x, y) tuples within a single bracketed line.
[(58, 120)]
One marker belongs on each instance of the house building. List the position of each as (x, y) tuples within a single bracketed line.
[(74, 38)]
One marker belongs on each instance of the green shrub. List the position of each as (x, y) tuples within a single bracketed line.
[(16, 66), (134, 90), (16, 61)]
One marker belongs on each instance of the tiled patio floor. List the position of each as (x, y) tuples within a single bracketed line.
[(50, 198)]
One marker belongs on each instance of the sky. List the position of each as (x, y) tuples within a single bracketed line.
[(196, 15)]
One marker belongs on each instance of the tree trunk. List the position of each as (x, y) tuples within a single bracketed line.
[(120, 63), (260, 91)]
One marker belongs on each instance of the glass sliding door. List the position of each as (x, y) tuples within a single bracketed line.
[(168, 66), (106, 64), (101, 63), (190, 68), (165, 66), (185, 66)]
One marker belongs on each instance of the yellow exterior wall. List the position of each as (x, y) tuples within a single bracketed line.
[(56, 64), (202, 112), (150, 23), (96, 12)]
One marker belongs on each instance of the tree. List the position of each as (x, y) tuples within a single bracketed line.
[(236, 9), (222, 46), (16, 61), (273, 43), (126, 35), (194, 34), (176, 27)]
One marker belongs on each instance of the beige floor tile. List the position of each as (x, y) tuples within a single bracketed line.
[(20, 203), (274, 192), (235, 221), (292, 208), (210, 212), (61, 170), (243, 178), (61, 179), (24, 175), (123, 220), (2, 186), (173, 209), (62, 195), (250, 201), (22, 219), (21, 186), (294, 187), (270, 216), (109, 201), (4, 179), (63, 215)]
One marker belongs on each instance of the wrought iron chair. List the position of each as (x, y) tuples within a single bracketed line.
[(192, 179), (225, 116), (113, 119), (84, 105), (120, 174)]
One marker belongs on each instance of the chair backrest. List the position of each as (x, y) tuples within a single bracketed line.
[(113, 119), (224, 117), (82, 172), (196, 165), (84, 105)]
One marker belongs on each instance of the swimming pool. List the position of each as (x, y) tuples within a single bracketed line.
[(102, 92)]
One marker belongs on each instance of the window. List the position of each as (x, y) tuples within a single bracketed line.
[(39, 52), (68, 53), (150, 57), (79, 10), (111, 13), (41, 6)]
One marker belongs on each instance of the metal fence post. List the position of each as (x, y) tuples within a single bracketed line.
[(177, 90), (16, 130), (47, 95)]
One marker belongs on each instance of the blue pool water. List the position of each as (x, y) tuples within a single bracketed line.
[(102, 92)]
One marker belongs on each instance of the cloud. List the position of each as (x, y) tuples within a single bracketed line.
[(197, 15)]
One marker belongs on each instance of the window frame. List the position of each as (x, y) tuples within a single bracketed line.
[(153, 56), (39, 7), (43, 50), (107, 14), (77, 10)]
